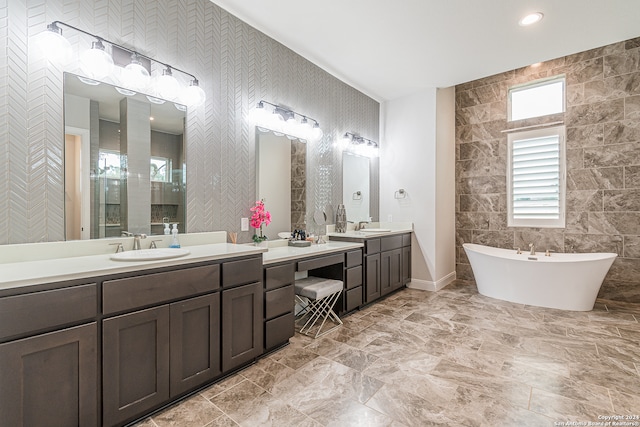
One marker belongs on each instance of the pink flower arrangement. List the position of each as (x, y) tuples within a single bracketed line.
[(259, 217)]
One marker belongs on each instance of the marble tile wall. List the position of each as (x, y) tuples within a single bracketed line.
[(602, 119)]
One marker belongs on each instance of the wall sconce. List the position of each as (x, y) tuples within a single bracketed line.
[(356, 144), (98, 64), (282, 121), (400, 194)]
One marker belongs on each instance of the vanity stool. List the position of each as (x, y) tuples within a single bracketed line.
[(317, 296)]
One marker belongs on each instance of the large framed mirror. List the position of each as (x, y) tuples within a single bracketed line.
[(124, 161), (356, 186), (281, 170)]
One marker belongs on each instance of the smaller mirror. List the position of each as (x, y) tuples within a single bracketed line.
[(355, 186)]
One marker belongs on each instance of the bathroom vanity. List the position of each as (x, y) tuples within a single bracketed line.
[(86, 340), (386, 259)]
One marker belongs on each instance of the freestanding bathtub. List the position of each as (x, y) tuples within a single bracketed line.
[(562, 281)]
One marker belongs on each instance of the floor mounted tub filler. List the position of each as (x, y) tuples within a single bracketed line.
[(562, 281)]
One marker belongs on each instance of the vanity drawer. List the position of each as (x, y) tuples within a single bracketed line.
[(279, 330), (139, 291), (406, 239), (354, 277), (276, 277), (38, 311), (242, 272), (371, 246), (390, 242), (354, 298), (353, 258), (320, 262), (279, 301)]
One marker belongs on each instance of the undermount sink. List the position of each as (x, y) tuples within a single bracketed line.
[(150, 254), (375, 230)]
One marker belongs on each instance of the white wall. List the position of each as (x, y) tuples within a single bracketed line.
[(417, 157)]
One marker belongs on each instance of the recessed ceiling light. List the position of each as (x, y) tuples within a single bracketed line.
[(531, 18)]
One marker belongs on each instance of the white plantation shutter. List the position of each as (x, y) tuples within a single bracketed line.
[(536, 172)]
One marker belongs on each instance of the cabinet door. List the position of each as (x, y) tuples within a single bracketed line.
[(135, 355), (372, 277), (195, 342), (50, 379), (241, 325), (406, 265), (390, 272)]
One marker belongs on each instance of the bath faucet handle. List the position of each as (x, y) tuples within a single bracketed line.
[(153, 244), (518, 251), (120, 248), (548, 252)]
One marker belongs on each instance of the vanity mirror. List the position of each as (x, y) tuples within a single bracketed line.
[(124, 161), (281, 169), (355, 186)]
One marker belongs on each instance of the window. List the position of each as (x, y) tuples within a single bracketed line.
[(536, 178), (160, 169), (540, 98), (109, 164)]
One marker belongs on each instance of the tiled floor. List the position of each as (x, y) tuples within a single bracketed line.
[(451, 358)]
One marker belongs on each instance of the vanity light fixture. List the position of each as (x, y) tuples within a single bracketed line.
[(98, 64), (283, 121), (530, 19), (356, 144)]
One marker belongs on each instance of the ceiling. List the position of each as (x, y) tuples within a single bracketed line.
[(391, 48)]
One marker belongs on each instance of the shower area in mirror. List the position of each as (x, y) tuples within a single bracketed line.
[(124, 162)]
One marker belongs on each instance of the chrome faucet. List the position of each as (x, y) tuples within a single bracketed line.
[(136, 239), (533, 249), (361, 225)]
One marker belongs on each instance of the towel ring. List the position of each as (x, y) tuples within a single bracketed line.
[(400, 194)]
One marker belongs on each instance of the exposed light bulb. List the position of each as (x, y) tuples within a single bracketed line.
[(291, 127), (134, 75), (96, 63), (304, 129), (167, 86), (52, 45), (316, 132), (194, 96)]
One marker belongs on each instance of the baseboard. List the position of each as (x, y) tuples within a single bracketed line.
[(429, 285)]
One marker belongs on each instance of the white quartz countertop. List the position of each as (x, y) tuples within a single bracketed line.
[(289, 253), (28, 273), (393, 227)]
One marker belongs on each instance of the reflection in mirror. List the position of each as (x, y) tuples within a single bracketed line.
[(124, 161), (281, 181), (355, 186)]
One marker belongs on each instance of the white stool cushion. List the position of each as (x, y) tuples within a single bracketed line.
[(317, 287)]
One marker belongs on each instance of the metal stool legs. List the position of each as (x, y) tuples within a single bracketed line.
[(318, 310)]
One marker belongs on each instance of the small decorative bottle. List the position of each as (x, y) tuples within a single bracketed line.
[(341, 219), (175, 243)]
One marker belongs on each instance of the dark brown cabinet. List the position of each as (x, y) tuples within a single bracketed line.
[(406, 264), (353, 280), (135, 363), (372, 277), (390, 273), (195, 342), (279, 301), (50, 379), (242, 325)]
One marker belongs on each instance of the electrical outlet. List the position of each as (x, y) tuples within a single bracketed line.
[(244, 224), (389, 218)]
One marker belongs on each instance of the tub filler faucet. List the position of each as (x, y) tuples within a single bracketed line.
[(533, 249)]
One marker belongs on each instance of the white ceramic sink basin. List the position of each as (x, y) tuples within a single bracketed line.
[(150, 254), (375, 230)]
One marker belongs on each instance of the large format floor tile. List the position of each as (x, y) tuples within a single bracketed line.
[(448, 358)]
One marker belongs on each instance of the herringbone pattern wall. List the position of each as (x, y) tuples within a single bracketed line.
[(237, 66)]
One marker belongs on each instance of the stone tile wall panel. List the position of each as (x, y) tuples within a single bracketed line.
[(603, 162)]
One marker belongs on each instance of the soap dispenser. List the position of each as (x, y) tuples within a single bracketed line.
[(174, 240), (167, 230)]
